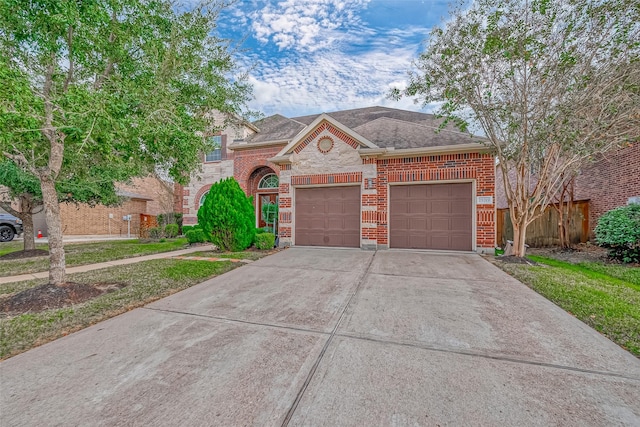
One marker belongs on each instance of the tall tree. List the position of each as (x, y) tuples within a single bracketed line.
[(110, 89), (550, 82)]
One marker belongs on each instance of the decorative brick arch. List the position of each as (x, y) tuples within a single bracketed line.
[(245, 163), (196, 202)]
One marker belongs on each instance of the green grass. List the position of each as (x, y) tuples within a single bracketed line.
[(146, 281), (89, 253), (606, 297), (14, 246)]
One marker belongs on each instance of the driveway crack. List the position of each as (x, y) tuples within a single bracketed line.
[(312, 372)]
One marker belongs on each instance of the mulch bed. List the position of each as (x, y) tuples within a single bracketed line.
[(48, 296), (515, 260), (24, 254)]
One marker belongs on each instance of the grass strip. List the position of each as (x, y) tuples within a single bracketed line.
[(91, 253), (605, 302), (627, 276), (146, 282)]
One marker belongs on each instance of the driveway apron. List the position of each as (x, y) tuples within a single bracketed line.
[(332, 337)]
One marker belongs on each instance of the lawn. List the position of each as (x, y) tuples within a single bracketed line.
[(604, 296), (145, 282), (85, 253)]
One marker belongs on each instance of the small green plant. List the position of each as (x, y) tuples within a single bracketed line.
[(186, 228), (195, 236), (227, 216), (270, 214), (171, 231), (155, 233), (265, 240), (619, 231)]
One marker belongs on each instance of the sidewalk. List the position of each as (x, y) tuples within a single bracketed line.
[(89, 267)]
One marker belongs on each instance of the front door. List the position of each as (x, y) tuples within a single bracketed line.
[(264, 199)]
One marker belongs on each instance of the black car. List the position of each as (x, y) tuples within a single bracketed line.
[(10, 226)]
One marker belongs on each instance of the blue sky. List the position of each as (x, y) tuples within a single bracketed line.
[(312, 56)]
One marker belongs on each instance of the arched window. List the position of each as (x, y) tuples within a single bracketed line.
[(201, 202), (269, 181)]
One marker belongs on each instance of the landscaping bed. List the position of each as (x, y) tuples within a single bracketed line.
[(604, 295), (33, 313)]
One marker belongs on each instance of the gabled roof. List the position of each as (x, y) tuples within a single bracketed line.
[(383, 127), (364, 142), (387, 132), (275, 128)]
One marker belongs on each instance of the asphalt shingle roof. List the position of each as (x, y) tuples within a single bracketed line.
[(385, 127)]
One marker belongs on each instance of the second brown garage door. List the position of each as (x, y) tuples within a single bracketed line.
[(431, 216), (327, 216)]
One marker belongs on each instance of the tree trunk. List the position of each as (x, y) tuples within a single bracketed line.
[(27, 207), (519, 236), (54, 230)]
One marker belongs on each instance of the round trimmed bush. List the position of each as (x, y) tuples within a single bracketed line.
[(265, 240), (227, 216), (619, 231), (171, 231)]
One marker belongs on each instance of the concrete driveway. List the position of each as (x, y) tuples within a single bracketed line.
[(336, 338)]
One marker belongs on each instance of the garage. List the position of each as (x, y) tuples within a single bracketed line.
[(327, 216), (431, 216)]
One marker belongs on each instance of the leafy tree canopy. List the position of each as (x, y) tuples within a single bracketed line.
[(550, 83)]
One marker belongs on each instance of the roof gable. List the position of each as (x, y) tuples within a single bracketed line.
[(323, 123)]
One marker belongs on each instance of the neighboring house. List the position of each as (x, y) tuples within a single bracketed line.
[(372, 178), (611, 181), (143, 198)]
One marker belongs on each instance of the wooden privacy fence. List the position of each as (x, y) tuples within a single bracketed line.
[(544, 230)]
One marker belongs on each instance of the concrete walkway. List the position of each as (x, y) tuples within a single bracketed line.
[(97, 266), (320, 337)]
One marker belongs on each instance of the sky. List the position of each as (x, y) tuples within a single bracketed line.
[(312, 56)]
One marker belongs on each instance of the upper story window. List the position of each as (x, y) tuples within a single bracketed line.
[(269, 181), (216, 154)]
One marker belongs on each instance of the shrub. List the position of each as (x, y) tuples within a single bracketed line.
[(195, 236), (265, 240), (619, 231), (171, 231), (186, 228), (227, 216), (155, 233)]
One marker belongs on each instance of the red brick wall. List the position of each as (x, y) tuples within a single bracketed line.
[(449, 167), (610, 181), (246, 161)]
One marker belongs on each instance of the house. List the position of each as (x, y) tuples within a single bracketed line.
[(610, 181), (143, 199), (373, 178)]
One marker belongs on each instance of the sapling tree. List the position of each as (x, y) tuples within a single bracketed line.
[(551, 83)]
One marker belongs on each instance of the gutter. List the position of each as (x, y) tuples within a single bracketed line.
[(391, 152), (249, 146)]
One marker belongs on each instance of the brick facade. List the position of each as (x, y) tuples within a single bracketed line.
[(82, 219), (609, 182), (343, 165), (308, 165)]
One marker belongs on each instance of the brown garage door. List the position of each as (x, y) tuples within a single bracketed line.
[(328, 216), (431, 216)]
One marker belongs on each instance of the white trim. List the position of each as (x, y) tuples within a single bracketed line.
[(248, 146), (474, 241), (268, 176), (389, 153), (324, 117)]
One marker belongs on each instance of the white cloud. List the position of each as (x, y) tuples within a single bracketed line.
[(304, 25), (332, 81)]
